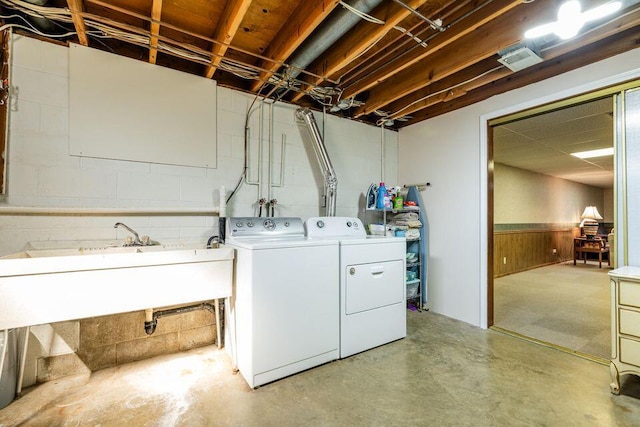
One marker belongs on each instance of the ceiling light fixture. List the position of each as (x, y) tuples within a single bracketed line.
[(571, 19), (594, 153)]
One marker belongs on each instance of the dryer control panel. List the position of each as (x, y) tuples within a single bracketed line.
[(334, 226), (257, 227)]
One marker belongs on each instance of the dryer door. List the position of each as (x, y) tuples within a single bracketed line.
[(373, 285)]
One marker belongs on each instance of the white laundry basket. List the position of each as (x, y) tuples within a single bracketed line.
[(8, 348)]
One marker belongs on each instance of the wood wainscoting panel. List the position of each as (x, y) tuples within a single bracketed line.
[(515, 251)]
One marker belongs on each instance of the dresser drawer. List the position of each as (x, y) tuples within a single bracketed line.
[(629, 293), (630, 351), (629, 322)]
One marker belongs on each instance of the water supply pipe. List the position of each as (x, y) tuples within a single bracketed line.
[(330, 180)]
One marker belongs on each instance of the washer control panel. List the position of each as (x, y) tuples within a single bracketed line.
[(257, 227), (334, 226)]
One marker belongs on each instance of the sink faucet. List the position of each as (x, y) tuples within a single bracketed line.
[(136, 241)]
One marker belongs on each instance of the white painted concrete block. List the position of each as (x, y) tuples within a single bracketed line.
[(148, 186), (41, 87), (22, 180), (224, 145), (225, 99), (76, 183), (198, 190), (57, 339), (36, 55), (231, 123), (24, 116), (114, 165), (161, 169), (54, 120), (42, 150)]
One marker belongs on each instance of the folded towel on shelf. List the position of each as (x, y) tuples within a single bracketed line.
[(412, 233), (411, 223), (406, 216)]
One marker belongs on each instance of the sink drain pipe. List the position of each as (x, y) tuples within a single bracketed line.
[(151, 317)]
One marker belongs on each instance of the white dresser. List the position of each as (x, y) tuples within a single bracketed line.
[(625, 324)]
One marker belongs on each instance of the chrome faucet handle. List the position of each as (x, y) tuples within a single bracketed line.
[(136, 241)]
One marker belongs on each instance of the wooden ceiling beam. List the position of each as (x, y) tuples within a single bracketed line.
[(454, 86), (467, 80), (451, 35), (571, 60), (156, 13), (358, 40), (401, 44), (498, 32), (307, 16), (76, 9), (226, 29)]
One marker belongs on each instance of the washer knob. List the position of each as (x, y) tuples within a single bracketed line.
[(269, 224), (286, 223), (349, 224), (238, 224), (249, 224), (320, 224)]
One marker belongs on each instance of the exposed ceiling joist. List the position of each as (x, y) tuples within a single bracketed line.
[(228, 24), (488, 12), (307, 16), (357, 41), (606, 48), (588, 43), (422, 72), (486, 40), (156, 13), (76, 9)]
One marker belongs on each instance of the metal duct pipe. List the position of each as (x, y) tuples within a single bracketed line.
[(338, 23), (330, 180)]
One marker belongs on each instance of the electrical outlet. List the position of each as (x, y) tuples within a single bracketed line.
[(504, 260), (555, 251)]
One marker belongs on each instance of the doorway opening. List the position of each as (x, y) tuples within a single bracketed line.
[(538, 192)]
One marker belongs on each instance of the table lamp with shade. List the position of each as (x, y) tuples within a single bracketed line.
[(589, 221)]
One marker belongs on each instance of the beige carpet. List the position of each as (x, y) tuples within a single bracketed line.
[(561, 304)]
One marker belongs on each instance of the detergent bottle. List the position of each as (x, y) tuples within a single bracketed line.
[(382, 194)]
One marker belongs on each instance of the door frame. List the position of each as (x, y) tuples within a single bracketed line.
[(571, 96)]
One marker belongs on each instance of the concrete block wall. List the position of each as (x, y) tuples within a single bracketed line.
[(41, 173)]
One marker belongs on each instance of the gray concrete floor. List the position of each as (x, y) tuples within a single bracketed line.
[(445, 373)]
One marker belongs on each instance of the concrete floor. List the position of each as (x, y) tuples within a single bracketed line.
[(445, 373)]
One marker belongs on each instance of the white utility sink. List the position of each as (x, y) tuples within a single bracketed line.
[(51, 285)]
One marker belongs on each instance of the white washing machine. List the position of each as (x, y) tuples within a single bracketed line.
[(372, 283), (285, 301)]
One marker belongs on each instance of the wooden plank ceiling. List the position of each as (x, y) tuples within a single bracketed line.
[(403, 62)]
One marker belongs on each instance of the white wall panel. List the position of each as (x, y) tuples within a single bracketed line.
[(121, 108)]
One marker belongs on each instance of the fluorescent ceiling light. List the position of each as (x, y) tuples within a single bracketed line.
[(594, 153), (571, 19)]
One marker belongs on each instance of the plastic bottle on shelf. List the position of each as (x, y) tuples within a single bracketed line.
[(382, 194), (387, 200)]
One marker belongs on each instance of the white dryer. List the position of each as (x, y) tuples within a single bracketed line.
[(285, 301), (372, 283)]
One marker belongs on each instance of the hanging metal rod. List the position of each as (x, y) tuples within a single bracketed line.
[(433, 24), (428, 184)]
